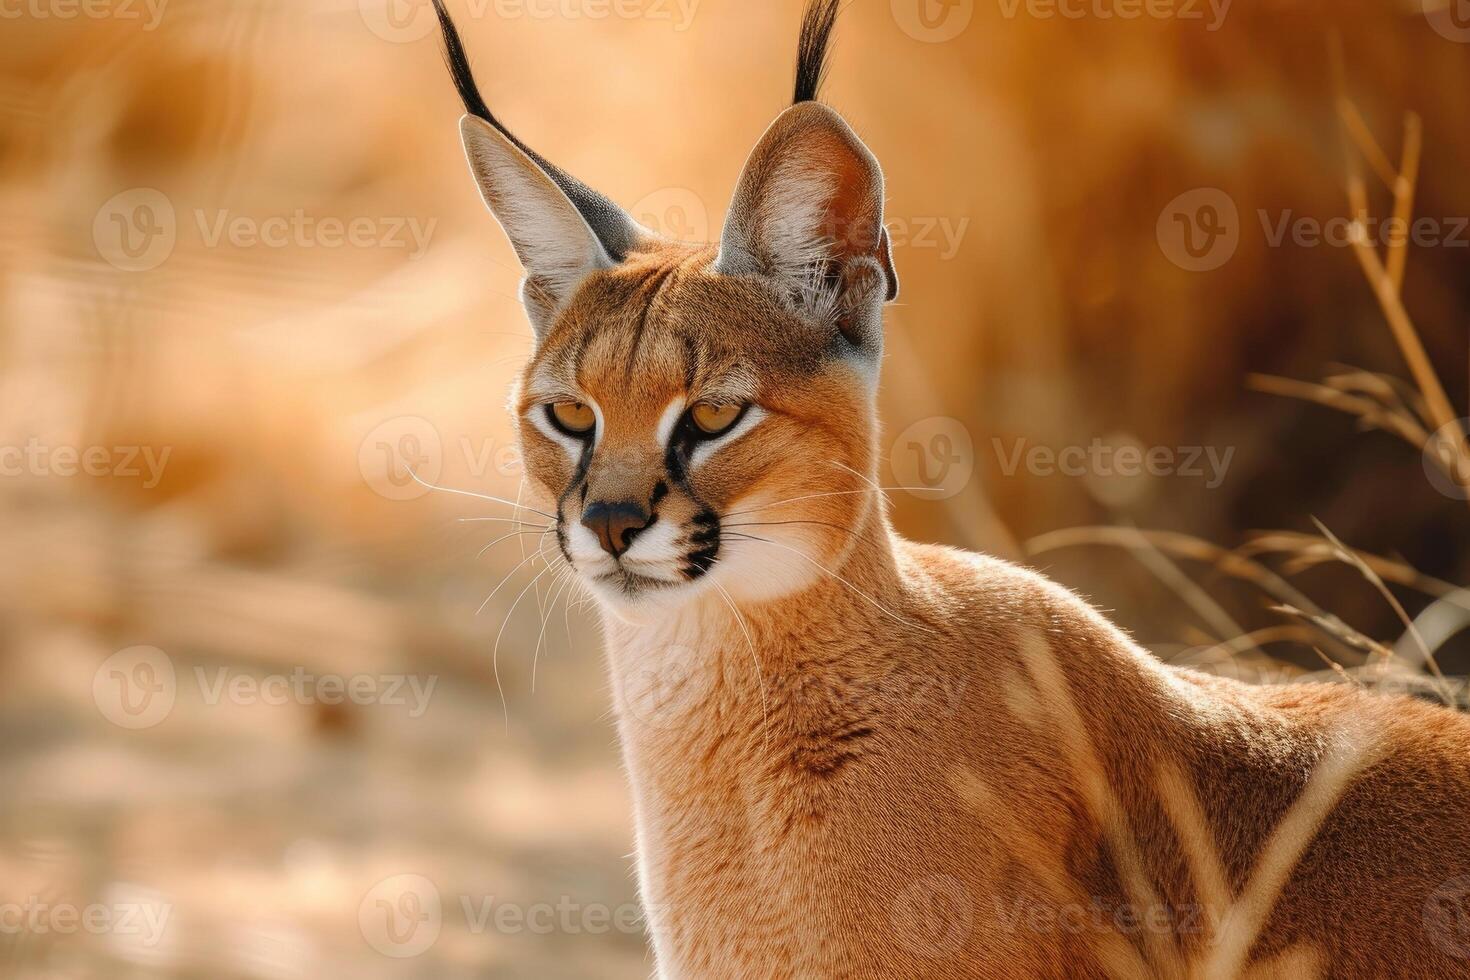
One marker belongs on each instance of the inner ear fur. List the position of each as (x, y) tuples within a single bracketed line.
[(551, 237), (808, 213)]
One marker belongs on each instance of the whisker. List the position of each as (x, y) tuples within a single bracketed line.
[(856, 591), (835, 527), (538, 553), (506, 537), (481, 496), (501, 520), (829, 493), (495, 654), (759, 676), (558, 586)]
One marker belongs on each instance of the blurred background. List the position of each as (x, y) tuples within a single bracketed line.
[(249, 719)]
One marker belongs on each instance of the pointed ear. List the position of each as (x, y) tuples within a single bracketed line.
[(808, 214), (554, 242)]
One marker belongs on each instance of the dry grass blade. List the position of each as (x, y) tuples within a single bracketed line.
[(1370, 412), (1349, 557), (1187, 589), (1338, 630), (1308, 550), (1403, 199), (1337, 668), (1450, 448), (1393, 392), (1177, 545)]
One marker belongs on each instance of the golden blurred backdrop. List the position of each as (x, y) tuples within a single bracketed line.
[(251, 721)]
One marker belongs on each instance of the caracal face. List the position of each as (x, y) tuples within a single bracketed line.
[(712, 438)]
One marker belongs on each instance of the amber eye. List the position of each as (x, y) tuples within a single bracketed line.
[(573, 418), (714, 419)]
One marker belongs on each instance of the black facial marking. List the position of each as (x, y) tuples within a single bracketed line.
[(707, 536), (577, 484)]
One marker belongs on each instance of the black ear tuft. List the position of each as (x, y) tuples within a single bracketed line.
[(611, 225), (459, 69), (811, 51)]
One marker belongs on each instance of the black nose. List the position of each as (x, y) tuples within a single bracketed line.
[(616, 524)]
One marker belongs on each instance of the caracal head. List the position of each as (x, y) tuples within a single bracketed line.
[(699, 416)]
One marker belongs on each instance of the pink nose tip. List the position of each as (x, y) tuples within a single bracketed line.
[(616, 524)]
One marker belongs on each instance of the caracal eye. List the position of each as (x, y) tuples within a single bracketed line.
[(714, 419), (573, 417)]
